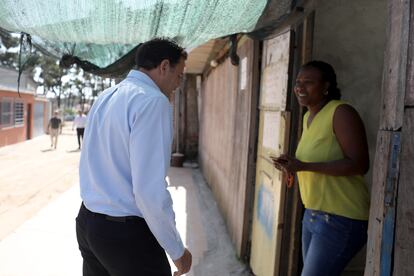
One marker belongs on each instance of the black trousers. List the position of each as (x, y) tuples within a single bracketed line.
[(79, 133), (112, 247)]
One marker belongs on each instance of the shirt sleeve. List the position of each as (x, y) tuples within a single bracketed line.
[(150, 153)]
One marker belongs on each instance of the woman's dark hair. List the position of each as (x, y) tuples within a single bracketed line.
[(328, 75), (151, 53)]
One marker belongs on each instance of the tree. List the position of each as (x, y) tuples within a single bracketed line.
[(78, 85), (51, 77), (30, 60)]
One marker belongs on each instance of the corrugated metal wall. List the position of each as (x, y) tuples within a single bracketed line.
[(227, 135)]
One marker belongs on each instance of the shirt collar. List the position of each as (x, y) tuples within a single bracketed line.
[(136, 75)]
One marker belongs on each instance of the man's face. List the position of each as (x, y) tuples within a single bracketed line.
[(173, 76)]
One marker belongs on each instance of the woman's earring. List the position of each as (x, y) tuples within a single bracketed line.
[(326, 92)]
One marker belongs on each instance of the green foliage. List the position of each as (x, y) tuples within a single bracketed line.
[(9, 60), (78, 87), (69, 111), (9, 41)]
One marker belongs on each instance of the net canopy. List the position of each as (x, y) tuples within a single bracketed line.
[(102, 31)]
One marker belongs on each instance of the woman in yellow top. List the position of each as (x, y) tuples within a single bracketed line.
[(331, 159)]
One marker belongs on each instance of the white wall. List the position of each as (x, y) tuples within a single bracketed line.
[(350, 35)]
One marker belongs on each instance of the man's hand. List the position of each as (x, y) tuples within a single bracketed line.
[(183, 264)]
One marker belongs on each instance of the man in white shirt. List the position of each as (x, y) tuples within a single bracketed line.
[(126, 220), (79, 123)]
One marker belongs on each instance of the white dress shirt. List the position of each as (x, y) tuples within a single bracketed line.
[(79, 121), (126, 155)]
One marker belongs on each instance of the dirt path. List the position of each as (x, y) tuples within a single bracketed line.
[(32, 174), (39, 200)]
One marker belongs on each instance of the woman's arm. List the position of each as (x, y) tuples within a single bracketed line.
[(350, 132)]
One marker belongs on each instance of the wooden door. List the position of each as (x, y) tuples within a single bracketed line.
[(29, 122), (273, 139)]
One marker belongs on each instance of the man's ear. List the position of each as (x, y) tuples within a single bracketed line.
[(164, 66)]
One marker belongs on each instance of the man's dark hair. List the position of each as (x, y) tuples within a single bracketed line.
[(328, 75), (151, 53)]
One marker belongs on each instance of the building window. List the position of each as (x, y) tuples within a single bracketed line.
[(18, 113), (6, 113)]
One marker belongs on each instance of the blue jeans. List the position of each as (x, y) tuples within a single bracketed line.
[(329, 242)]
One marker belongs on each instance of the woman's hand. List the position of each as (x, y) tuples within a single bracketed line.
[(287, 163)]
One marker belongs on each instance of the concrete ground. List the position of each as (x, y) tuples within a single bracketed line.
[(39, 200)]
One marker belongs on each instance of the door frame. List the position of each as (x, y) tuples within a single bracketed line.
[(29, 121), (291, 263)]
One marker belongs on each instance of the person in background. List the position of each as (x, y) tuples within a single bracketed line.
[(79, 123), (54, 128), (126, 221), (331, 159)]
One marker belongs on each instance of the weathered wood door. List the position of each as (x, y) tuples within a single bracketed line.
[(273, 139)]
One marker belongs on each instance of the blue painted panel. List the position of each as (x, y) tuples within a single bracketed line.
[(388, 230), (265, 210)]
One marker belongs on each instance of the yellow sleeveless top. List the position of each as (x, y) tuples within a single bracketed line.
[(340, 195)]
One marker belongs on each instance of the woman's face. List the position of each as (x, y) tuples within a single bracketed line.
[(309, 87)]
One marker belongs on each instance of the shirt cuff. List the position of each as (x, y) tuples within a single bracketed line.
[(177, 252)]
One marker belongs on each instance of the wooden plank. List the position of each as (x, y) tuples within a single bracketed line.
[(254, 85), (198, 57), (404, 241), (191, 117), (290, 245), (395, 65), (391, 186), (216, 129), (376, 217), (307, 47), (268, 216), (409, 97), (241, 143), (291, 242), (383, 204), (225, 140)]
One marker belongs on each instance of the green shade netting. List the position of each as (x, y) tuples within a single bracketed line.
[(101, 31)]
